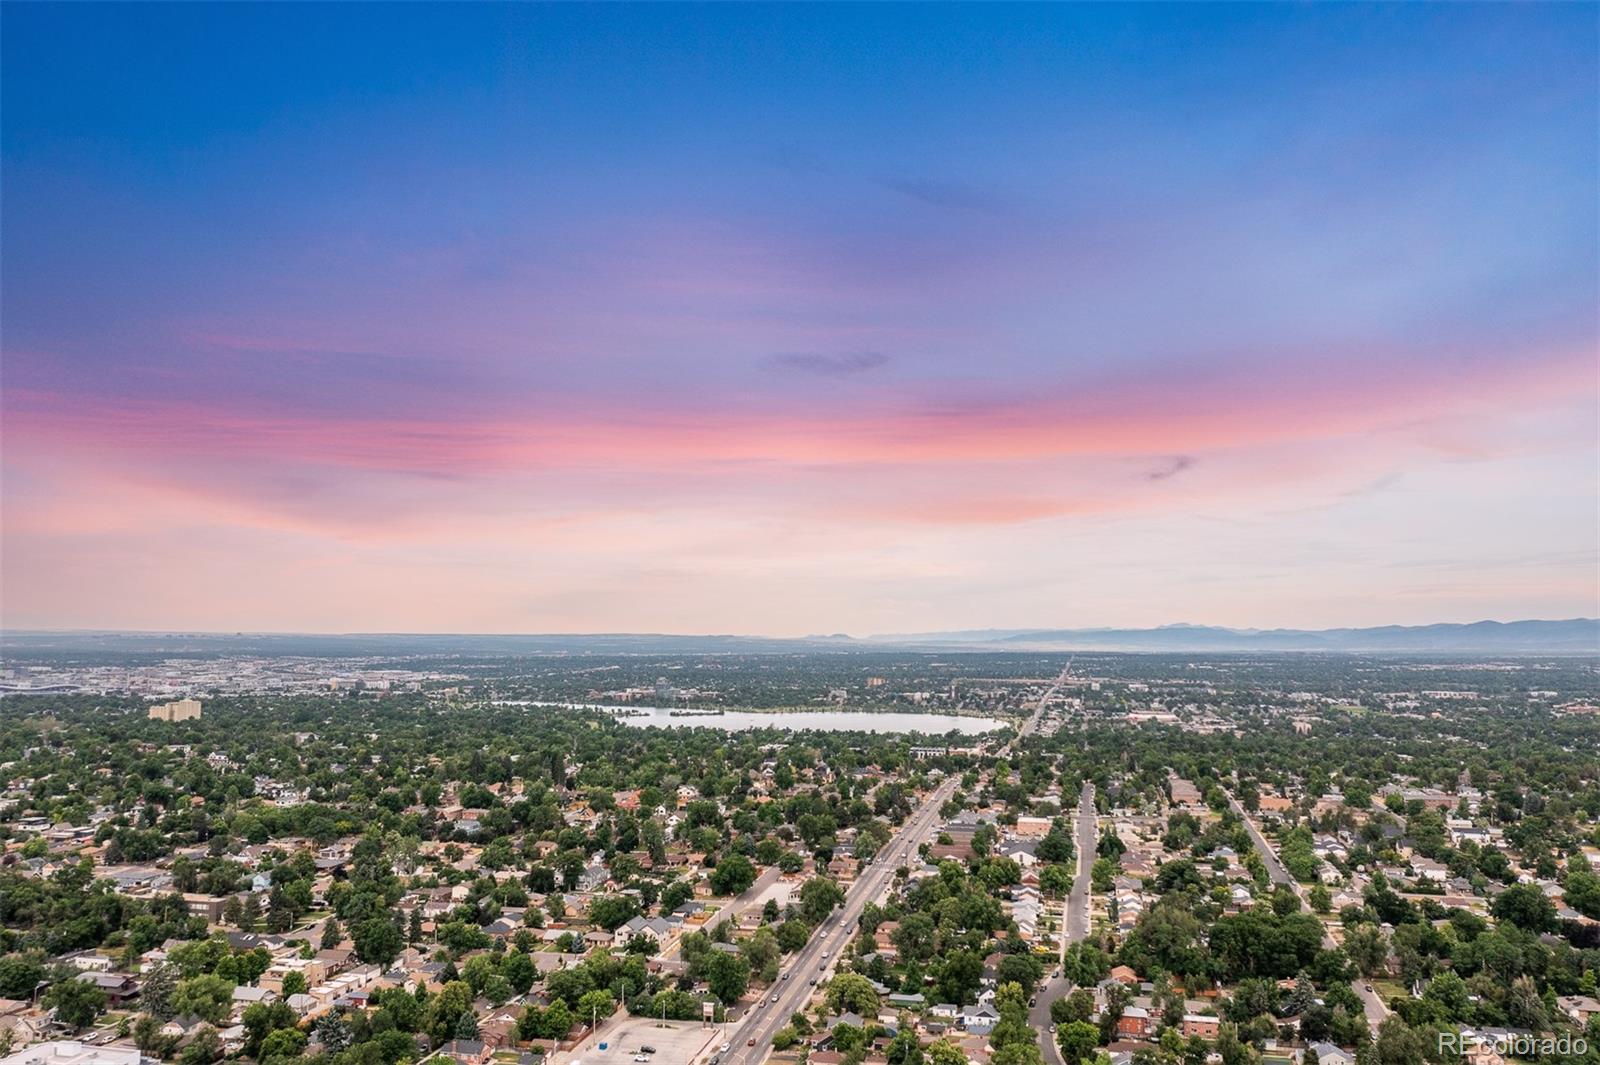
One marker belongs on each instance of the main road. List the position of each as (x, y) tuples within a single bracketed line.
[(1076, 928), (752, 1037), (1044, 701), (1371, 1004)]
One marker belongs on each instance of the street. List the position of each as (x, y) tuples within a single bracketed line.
[(750, 1040), (1044, 701), (1076, 926), (1371, 1004)]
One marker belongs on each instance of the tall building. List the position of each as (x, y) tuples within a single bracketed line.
[(179, 710)]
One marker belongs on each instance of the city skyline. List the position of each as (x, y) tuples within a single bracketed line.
[(783, 320)]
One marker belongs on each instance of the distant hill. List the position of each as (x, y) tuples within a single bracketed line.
[(1574, 636)]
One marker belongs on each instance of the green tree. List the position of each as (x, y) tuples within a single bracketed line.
[(733, 875), (203, 1049), (854, 993), (818, 898), (76, 1001), (378, 941), (1077, 1040), (728, 975), (1525, 906), (207, 996)]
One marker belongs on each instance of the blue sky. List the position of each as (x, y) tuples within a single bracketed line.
[(784, 318)]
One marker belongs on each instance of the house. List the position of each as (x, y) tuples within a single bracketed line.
[(336, 960), (1135, 1023), (245, 995), (1581, 1008), (499, 1029), (979, 1020), (119, 988), (1328, 1054), (24, 1023), (204, 906), (1021, 851), (656, 928), (1124, 975), (466, 1051), (593, 878), (1196, 1024)]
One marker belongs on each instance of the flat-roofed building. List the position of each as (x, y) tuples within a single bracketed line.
[(177, 710)]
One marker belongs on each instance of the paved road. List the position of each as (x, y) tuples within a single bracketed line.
[(751, 1040), (1371, 1004), (735, 907), (1088, 836), (1077, 924), (1044, 700), (1269, 857)]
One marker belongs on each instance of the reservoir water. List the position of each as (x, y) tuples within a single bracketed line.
[(816, 720)]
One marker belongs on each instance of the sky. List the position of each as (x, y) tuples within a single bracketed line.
[(797, 319)]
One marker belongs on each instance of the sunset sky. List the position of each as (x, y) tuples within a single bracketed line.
[(797, 319)]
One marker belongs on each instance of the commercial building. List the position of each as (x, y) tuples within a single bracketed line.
[(72, 1052), (178, 710)]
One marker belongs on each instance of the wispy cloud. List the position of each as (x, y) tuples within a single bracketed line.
[(947, 195), (828, 365), (1174, 466)]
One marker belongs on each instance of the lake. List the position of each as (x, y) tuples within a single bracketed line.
[(816, 720)]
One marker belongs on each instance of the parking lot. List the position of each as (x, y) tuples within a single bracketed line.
[(678, 1043)]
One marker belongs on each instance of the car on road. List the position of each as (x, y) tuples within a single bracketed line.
[(1366, 987), (774, 1000), (647, 1049), (750, 1042), (725, 1047), (641, 1057), (786, 976)]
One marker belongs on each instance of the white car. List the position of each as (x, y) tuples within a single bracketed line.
[(725, 1047), (641, 1057)]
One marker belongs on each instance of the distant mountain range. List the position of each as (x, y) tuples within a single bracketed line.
[(1574, 636)]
